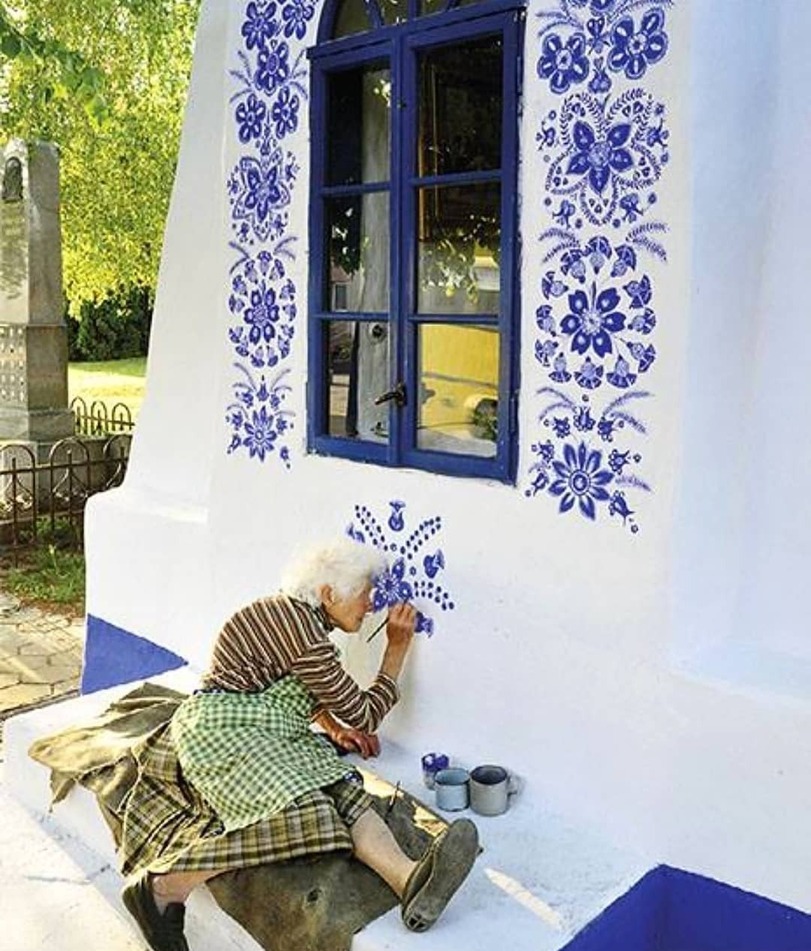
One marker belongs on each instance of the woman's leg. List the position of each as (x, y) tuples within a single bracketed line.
[(376, 847), (175, 887)]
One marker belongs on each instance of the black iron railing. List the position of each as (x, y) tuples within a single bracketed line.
[(99, 419)]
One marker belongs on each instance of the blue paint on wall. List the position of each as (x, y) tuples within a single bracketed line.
[(672, 910), (114, 656)]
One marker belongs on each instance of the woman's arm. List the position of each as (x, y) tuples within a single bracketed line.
[(335, 691), (347, 738)]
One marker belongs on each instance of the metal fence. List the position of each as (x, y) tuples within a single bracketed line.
[(99, 419), (47, 495)]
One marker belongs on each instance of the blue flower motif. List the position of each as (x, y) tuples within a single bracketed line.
[(598, 159), (296, 14), (561, 426), (633, 51), (618, 506), (559, 372), (583, 420), (589, 376), (643, 355), (639, 292), (605, 429), (591, 322), (621, 375), (544, 351), (396, 518), (259, 25), (596, 6), (285, 113), (563, 65), (263, 314), (250, 115), (263, 192), (599, 251), (391, 587), (260, 434), (643, 323), (272, 65), (580, 479), (572, 263), (544, 319), (618, 460), (625, 260)]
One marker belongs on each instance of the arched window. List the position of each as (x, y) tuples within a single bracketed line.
[(414, 257)]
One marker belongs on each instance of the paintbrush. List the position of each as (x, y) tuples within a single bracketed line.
[(377, 630)]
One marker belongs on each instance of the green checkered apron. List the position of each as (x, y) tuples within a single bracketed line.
[(250, 755)]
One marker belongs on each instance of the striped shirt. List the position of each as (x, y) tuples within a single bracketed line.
[(276, 636)]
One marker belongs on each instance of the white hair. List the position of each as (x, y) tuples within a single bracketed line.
[(343, 564)]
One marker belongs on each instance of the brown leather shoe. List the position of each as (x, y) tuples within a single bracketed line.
[(162, 931)]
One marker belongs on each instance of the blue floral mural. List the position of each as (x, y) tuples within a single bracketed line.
[(269, 92), (605, 146), (416, 561)]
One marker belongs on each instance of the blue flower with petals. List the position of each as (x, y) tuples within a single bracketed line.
[(273, 67), (563, 65), (580, 479), (598, 159), (634, 50), (260, 434), (621, 376), (296, 14), (285, 113), (263, 314), (559, 372), (391, 587), (592, 320), (250, 115), (259, 25)]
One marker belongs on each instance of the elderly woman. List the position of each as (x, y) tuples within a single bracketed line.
[(245, 745)]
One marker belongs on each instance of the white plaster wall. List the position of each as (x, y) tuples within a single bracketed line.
[(557, 658)]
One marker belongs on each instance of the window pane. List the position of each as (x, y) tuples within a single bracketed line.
[(357, 367), (351, 18), (460, 108), (458, 368), (428, 7), (393, 11), (458, 253), (359, 125), (358, 235)]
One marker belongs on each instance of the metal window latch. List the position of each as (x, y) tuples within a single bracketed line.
[(398, 394)]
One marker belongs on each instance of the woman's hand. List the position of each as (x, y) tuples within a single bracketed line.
[(356, 741), (400, 633), (400, 625)]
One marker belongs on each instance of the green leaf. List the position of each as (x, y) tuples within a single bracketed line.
[(10, 45)]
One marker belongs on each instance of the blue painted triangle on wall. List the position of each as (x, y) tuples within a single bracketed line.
[(113, 656)]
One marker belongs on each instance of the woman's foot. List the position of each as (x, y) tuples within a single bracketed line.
[(438, 875), (163, 930)]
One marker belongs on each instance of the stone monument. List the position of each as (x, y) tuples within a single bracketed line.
[(33, 335)]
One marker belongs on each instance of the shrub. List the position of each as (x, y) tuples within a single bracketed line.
[(112, 329)]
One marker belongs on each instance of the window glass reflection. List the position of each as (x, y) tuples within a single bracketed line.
[(393, 11), (357, 367), (460, 108), (458, 367), (359, 133), (459, 237), (351, 18), (358, 236)]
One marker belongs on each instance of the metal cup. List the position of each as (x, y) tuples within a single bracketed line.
[(490, 790), (451, 789)]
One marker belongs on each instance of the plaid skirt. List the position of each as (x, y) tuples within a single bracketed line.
[(170, 825)]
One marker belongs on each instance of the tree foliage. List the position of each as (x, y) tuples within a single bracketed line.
[(107, 81)]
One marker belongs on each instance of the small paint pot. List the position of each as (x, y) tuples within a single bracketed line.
[(432, 763), (490, 790), (451, 789)]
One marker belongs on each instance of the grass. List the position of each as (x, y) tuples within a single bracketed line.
[(51, 575), (114, 381)]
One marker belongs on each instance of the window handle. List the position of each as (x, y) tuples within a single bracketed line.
[(398, 394)]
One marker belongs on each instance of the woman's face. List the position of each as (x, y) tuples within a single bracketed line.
[(348, 613)]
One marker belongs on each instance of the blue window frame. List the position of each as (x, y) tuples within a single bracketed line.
[(413, 234)]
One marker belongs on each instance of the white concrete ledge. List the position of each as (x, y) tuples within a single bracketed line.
[(538, 881)]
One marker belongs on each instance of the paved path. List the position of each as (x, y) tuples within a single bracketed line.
[(40, 657)]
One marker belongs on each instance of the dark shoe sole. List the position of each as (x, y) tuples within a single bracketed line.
[(438, 876)]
